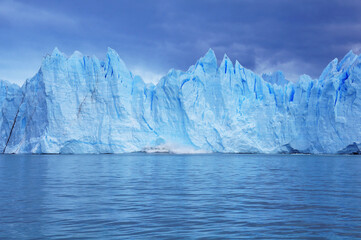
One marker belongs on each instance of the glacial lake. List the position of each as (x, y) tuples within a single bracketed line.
[(161, 196)]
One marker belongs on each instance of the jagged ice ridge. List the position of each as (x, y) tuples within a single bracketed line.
[(79, 104)]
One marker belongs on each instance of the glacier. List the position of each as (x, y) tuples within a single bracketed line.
[(80, 104)]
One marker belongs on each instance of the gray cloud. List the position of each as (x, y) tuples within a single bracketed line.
[(21, 14), (152, 36)]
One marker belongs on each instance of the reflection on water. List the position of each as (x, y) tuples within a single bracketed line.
[(140, 196)]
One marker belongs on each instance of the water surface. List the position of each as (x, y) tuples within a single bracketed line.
[(139, 196)]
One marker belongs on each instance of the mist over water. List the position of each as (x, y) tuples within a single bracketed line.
[(162, 196)]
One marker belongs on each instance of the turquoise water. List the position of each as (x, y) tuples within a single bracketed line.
[(139, 196)]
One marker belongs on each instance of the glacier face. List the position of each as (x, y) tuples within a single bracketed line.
[(79, 104)]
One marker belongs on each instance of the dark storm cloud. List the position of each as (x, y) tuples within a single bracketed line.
[(296, 36)]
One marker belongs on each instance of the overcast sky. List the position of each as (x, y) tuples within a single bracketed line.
[(152, 36)]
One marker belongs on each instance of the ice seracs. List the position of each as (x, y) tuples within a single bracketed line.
[(80, 104), (275, 78)]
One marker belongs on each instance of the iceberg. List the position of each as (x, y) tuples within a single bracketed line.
[(80, 104)]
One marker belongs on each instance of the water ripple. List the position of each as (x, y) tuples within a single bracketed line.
[(139, 196)]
